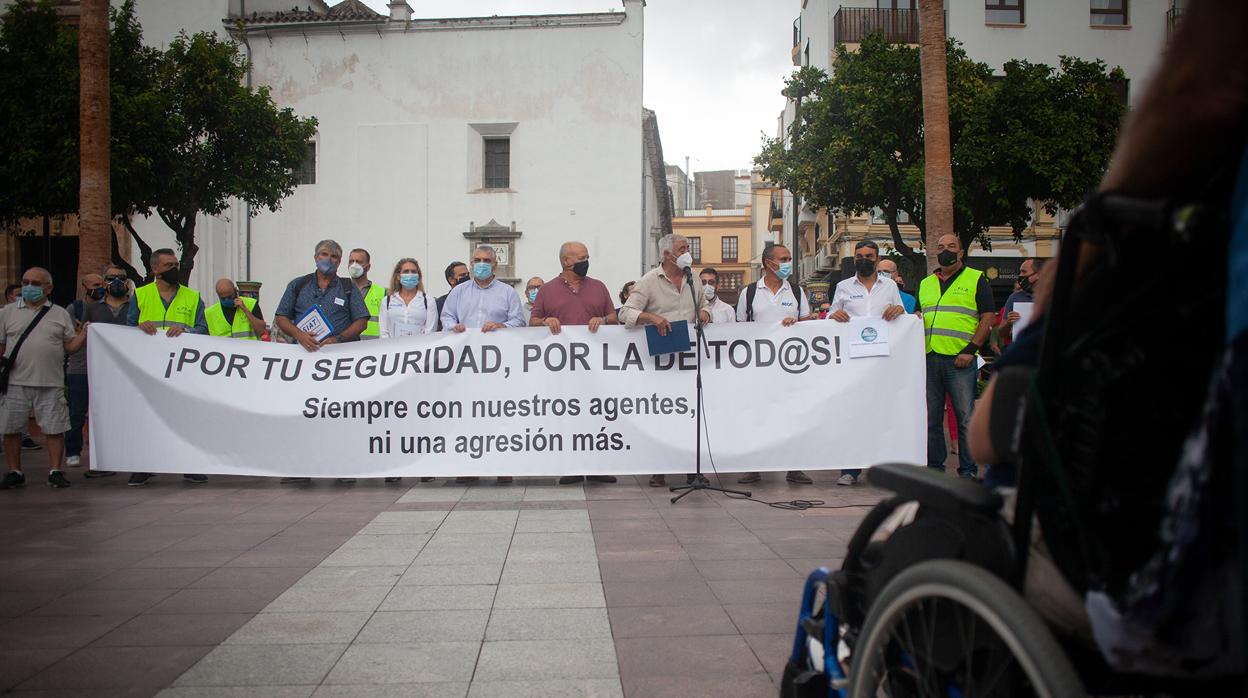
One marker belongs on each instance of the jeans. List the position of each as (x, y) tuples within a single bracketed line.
[(943, 378), (78, 401)]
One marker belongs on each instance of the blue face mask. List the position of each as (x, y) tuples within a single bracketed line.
[(32, 294), (482, 270), (409, 280), (326, 266), (227, 303), (786, 268), (532, 295)]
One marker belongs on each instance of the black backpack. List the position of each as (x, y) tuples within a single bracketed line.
[(752, 290)]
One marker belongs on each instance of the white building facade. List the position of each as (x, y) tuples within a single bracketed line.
[(436, 135)]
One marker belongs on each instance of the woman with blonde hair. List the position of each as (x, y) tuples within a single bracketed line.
[(407, 310)]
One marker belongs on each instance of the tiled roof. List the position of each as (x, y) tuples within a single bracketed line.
[(345, 11)]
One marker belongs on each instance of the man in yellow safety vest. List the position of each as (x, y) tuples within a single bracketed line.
[(358, 265), (958, 313), (234, 315)]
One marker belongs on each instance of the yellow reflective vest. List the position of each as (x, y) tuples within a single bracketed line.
[(241, 329), (180, 313), (950, 318), (372, 300)]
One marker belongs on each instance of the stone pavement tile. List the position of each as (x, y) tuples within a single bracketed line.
[(805, 565), (451, 575), (438, 598), (318, 529), (299, 628), (479, 522), (670, 621), (731, 551), (344, 557), (287, 558), (86, 602), (745, 570), (93, 668), (492, 493), (570, 525), (389, 627), (554, 493), (758, 590), (677, 592), (55, 632), (432, 493), (216, 601), (301, 544), (643, 553), (19, 664), (531, 515), (150, 578), (405, 690), (668, 570), (696, 657), (328, 599), (349, 577), (404, 542), (454, 555), (470, 541), (91, 559), (263, 665), (563, 540), (175, 557), (548, 624), (250, 578), (550, 572), (18, 603), (765, 618), (809, 549), (553, 554), (567, 688), (750, 686), (48, 579), (542, 660), (237, 692), (170, 630), (567, 595), (772, 650), (425, 662)]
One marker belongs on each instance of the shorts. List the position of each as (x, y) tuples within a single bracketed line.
[(51, 410)]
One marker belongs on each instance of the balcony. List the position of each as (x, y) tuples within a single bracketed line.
[(853, 24), (1173, 17), (796, 52)]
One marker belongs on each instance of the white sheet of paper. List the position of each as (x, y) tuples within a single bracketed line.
[(315, 323), (1024, 311), (868, 336), (406, 329)]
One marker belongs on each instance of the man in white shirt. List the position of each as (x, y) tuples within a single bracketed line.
[(721, 312), (865, 294), (770, 300)]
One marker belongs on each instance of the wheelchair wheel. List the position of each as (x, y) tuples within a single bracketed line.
[(948, 628)]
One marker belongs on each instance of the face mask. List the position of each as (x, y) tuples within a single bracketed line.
[(482, 270), (32, 294), (886, 275), (326, 266), (227, 303), (117, 288), (532, 295), (409, 280), (864, 266), (684, 261), (785, 269), (170, 276), (708, 291), (355, 270), (96, 294), (581, 268), (947, 258), (1026, 285)]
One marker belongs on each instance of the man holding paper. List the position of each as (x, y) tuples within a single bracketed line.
[(1017, 311), (320, 308), (865, 294)]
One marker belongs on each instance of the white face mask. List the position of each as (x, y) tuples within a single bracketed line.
[(708, 291), (684, 261), (356, 270), (886, 275)]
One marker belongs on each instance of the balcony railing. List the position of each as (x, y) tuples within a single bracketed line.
[(853, 24), (1173, 17)]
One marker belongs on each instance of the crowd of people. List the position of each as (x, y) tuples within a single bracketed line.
[(49, 378)]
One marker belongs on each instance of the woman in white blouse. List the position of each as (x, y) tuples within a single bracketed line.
[(407, 310)]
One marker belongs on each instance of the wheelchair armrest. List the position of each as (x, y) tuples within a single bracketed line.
[(934, 489)]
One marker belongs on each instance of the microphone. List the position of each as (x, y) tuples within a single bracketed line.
[(689, 273)]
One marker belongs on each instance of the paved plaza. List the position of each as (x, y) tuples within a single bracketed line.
[(243, 587)]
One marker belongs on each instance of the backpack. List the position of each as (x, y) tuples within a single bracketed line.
[(347, 284), (752, 290)]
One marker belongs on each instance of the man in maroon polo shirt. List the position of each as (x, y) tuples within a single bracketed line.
[(572, 298)]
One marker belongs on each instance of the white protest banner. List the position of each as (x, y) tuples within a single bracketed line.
[(509, 402)]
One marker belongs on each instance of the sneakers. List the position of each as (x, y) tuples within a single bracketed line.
[(600, 478), (195, 479), (749, 478), (694, 477), (28, 444), (570, 479), (13, 480), (57, 480), (798, 477), (845, 480), (73, 461), (97, 473), (294, 480), (658, 481), (138, 479)]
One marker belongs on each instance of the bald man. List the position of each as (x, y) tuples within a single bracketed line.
[(234, 315)]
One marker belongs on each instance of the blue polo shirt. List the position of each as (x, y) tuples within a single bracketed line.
[(341, 301)]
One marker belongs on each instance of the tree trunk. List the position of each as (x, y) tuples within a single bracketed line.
[(94, 200), (937, 166)]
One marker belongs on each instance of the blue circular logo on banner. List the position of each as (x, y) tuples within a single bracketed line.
[(869, 334)]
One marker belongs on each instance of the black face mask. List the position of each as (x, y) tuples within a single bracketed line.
[(581, 268), (459, 280), (864, 266), (96, 294), (947, 258), (117, 288), (170, 276), (1025, 284)]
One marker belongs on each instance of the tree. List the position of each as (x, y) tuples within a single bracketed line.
[(94, 203), (1035, 134), (937, 149)]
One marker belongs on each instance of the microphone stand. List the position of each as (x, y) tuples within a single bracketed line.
[(699, 481)]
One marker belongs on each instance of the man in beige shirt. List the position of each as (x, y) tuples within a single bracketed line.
[(661, 297)]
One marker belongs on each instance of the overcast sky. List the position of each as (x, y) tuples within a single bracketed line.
[(714, 68)]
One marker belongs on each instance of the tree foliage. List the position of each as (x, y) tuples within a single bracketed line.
[(1038, 133)]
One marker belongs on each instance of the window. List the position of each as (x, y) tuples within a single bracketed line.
[(731, 280), (1109, 13), (695, 249), (497, 163), (730, 249), (1003, 11), (307, 168), (1123, 88)]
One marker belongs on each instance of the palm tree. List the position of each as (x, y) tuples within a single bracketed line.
[(94, 221), (937, 166)]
